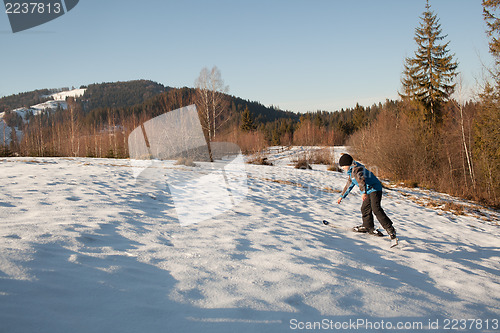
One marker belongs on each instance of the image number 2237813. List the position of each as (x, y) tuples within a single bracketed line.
[(24, 15)]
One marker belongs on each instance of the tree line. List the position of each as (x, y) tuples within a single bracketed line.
[(434, 137), (98, 123)]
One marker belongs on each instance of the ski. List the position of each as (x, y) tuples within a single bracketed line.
[(377, 232), (363, 230)]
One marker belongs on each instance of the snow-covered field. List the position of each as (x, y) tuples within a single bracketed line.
[(83, 248)]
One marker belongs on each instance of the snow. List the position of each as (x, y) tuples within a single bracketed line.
[(63, 95), (85, 248), (58, 101)]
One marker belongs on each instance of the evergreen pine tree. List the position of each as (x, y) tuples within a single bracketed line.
[(493, 24), (360, 119), (486, 130), (247, 123), (428, 77)]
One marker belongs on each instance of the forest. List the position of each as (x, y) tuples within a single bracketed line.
[(98, 126)]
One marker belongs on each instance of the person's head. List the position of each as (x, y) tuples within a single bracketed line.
[(345, 161)]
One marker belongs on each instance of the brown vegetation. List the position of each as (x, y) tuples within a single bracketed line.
[(409, 150), (259, 159), (314, 156)]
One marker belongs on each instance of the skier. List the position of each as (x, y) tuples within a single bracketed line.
[(371, 190)]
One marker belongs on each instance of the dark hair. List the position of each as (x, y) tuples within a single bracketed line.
[(345, 160)]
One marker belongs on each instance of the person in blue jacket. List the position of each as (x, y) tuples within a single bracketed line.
[(371, 189)]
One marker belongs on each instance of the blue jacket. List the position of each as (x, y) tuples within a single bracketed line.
[(365, 179)]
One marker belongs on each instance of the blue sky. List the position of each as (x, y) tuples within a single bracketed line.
[(299, 55)]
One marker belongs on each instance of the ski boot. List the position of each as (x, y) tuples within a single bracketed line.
[(374, 232)]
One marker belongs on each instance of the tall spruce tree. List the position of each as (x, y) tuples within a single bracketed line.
[(486, 130), (493, 24), (428, 77), (247, 123)]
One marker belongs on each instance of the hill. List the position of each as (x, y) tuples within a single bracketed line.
[(16, 111), (120, 94), (102, 115), (84, 246), (25, 99)]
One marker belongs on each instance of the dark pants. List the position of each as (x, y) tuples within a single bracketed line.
[(372, 205)]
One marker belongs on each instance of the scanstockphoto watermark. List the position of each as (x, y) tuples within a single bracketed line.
[(27, 14), (213, 182), (447, 324), (354, 324)]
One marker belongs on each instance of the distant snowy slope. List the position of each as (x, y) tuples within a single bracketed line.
[(63, 95), (83, 248), (58, 101)]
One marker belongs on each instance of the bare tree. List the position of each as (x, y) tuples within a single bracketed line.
[(75, 126), (202, 100), (460, 104), (40, 135), (4, 125), (210, 100)]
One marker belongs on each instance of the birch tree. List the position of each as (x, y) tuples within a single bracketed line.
[(210, 100)]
